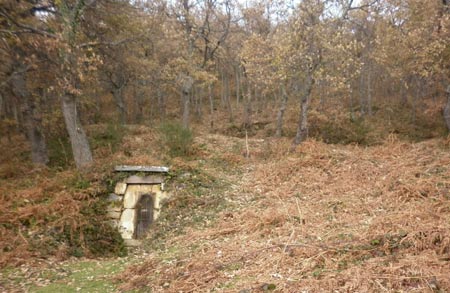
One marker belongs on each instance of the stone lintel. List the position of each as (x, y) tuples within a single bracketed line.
[(152, 179), (153, 169)]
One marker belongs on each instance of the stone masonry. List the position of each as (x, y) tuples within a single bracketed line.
[(123, 206)]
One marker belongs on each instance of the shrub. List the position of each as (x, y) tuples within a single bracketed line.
[(343, 130), (110, 137), (176, 138), (59, 151), (89, 233)]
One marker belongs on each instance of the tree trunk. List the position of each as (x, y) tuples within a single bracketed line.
[(369, 92), (257, 99), (261, 99), (416, 98), (33, 127), (97, 109), (403, 94), (302, 129), (6, 113), (447, 109), (17, 115), (362, 104), (352, 106), (32, 120), (238, 85), (321, 90), (152, 110), (120, 103), (78, 139), (80, 146), (185, 91), (211, 106), (281, 112), (198, 104), (186, 103), (228, 98), (193, 101), (181, 102), (2, 107), (161, 104), (248, 107), (222, 96), (139, 99)]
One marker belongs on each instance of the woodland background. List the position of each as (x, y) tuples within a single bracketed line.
[(341, 105), (351, 67)]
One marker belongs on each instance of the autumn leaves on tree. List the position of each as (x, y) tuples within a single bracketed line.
[(81, 62)]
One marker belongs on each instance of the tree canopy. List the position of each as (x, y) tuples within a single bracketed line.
[(82, 62)]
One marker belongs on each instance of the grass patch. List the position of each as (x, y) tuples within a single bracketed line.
[(82, 276), (177, 139), (59, 152), (343, 131), (110, 137), (197, 199)]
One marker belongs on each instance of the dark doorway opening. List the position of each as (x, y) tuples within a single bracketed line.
[(144, 215)]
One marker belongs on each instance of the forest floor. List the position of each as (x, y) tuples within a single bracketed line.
[(325, 218)]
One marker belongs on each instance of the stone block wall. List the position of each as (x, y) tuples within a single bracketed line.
[(123, 203)]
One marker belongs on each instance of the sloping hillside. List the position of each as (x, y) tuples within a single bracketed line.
[(324, 218)]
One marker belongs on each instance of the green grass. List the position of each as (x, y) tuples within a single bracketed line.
[(177, 139), (81, 276), (88, 276), (110, 137)]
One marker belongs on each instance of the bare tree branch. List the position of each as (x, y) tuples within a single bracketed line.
[(360, 7), (112, 43), (28, 28), (7, 80)]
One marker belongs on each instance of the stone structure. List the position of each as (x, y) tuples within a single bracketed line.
[(136, 201)]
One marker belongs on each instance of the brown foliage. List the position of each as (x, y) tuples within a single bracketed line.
[(324, 218), (46, 213)]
